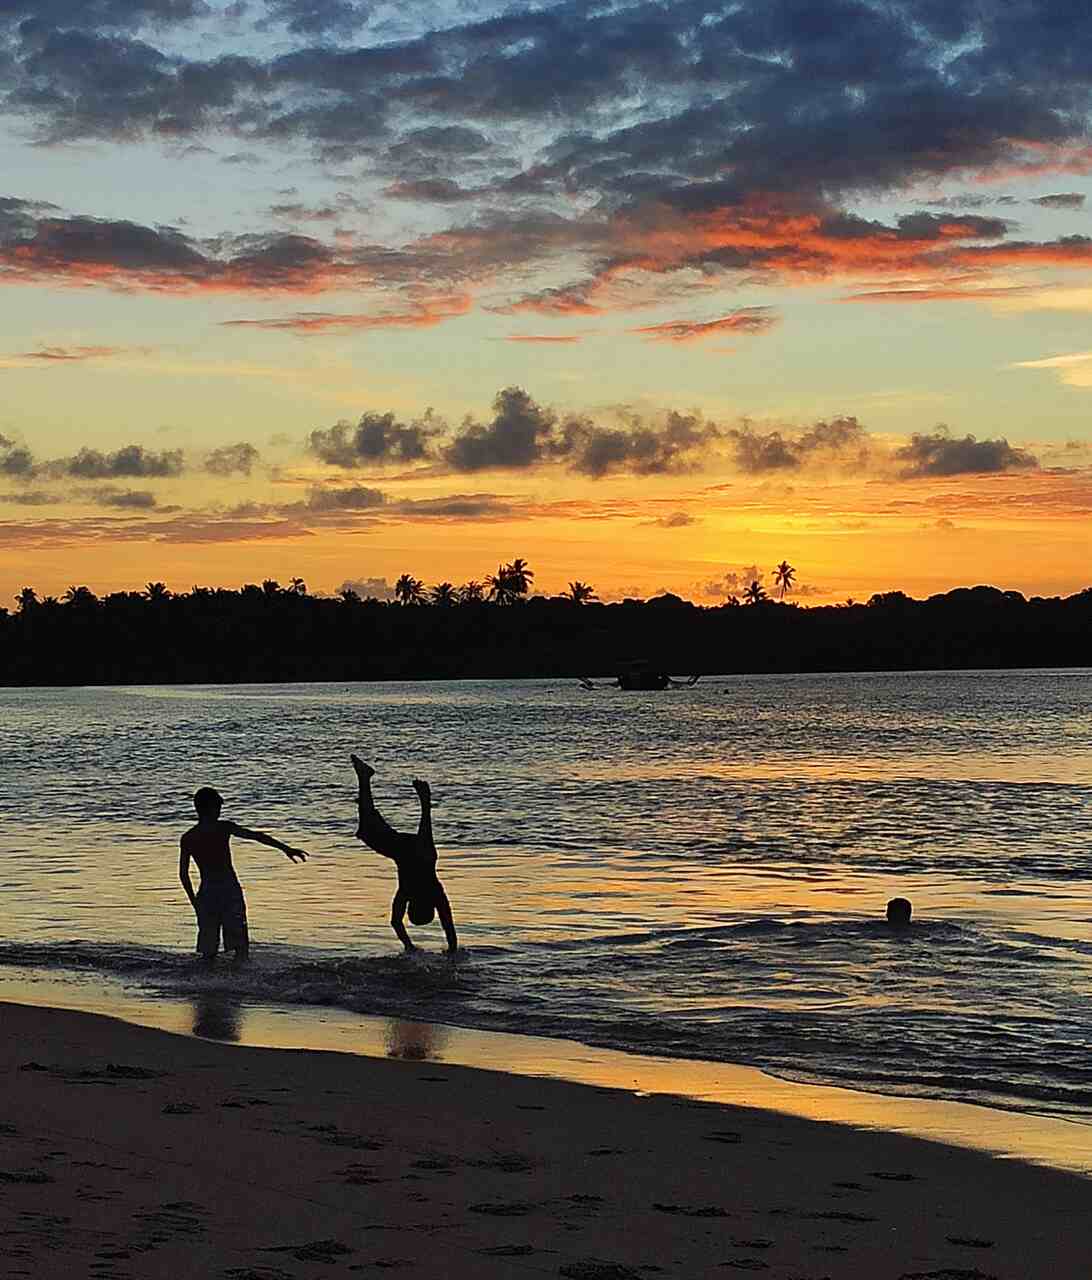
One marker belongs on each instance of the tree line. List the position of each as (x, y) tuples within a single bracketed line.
[(496, 628)]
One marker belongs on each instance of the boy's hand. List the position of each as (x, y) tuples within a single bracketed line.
[(295, 855)]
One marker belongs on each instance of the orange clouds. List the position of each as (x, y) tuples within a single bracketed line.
[(423, 315), (750, 320)]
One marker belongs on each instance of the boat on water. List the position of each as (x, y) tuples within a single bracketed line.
[(641, 675)]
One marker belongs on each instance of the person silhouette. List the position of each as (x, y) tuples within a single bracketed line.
[(219, 903), (419, 890), (899, 911)]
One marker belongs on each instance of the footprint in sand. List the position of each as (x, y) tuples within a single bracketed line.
[(593, 1269), (32, 1177), (895, 1177), (970, 1242), (728, 1136), (180, 1109), (314, 1251), (948, 1273), (508, 1251), (746, 1264)]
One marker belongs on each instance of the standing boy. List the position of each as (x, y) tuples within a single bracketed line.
[(219, 903)]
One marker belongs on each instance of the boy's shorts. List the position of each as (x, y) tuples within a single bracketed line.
[(221, 908)]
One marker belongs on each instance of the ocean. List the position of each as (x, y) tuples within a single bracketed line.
[(697, 874)]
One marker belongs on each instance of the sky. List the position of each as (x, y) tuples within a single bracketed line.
[(652, 295)]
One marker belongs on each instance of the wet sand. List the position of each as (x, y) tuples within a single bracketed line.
[(129, 1152)]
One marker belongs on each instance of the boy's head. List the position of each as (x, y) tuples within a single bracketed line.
[(208, 802), (421, 911), (899, 911)]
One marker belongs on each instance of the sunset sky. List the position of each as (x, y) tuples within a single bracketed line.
[(651, 295)]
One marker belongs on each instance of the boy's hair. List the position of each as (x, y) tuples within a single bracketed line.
[(207, 800), (421, 911)]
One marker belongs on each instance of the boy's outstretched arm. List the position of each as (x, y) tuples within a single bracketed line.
[(260, 837), (443, 910), (184, 876), (398, 916)]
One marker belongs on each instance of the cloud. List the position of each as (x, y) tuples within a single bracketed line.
[(64, 355), (232, 459), (676, 520), (369, 588), (316, 17), (132, 460), (354, 498), (376, 440), (32, 498), (422, 315), (15, 459), (1075, 370), (748, 320), (941, 454), (1062, 200), (543, 338), (518, 435), (732, 583), (679, 443), (130, 499), (841, 442)]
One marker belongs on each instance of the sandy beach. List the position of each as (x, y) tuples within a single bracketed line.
[(129, 1152)]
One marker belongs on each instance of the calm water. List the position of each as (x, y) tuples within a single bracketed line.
[(696, 873)]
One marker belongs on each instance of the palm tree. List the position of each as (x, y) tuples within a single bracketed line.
[(409, 590), (755, 592), (27, 599), (297, 587), (348, 596), (579, 593), (443, 594), (81, 597), (472, 592), (156, 591), (271, 587), (510, 583), (783, 576)]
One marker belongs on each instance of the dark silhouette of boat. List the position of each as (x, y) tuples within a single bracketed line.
[(641, 675)]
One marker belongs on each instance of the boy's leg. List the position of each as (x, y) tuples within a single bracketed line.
[(236, 931), (373, 828), (208, 929), (424, 827)]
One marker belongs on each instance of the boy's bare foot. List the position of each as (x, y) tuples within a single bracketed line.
[(363, 771)]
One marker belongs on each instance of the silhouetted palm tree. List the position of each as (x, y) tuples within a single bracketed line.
[(297, 587), (755, 592), (27, 599), (409, 590), (156, 591), (81, 597), (783, 576), (472, 592), (443, 594), (348, 596), (510, 583), (580, 593)]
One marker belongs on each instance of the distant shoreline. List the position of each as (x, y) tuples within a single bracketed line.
[(227, 637)]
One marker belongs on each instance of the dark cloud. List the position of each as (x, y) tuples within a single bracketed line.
[(460, 506), (317, 17), (680, 443), (356, 498), (1062, 200), (369, 588), (132, 460), (941, 454), (232, 459), (843, 442), (118, 14), (518, 436), (377, 439), (127, 499), (15, 459)]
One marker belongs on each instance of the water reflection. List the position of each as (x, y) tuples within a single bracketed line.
[(415, 1041), (217, 1017)]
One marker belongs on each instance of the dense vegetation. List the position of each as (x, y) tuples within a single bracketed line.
[(270, 633)]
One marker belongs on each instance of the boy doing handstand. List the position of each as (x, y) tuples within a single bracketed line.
[(419, 890), (219, 903)]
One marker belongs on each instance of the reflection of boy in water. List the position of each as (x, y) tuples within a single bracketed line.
[(413, 855), (219, 902)]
